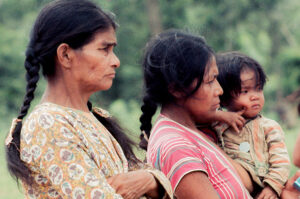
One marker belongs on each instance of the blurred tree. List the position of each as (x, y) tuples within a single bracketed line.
[(267, 30), (154, 16)]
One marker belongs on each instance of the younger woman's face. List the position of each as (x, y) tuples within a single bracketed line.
[(203, 104), (251, 97)]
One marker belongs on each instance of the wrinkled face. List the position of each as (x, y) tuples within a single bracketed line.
[(251, 97), (203, 104), (95, 63)]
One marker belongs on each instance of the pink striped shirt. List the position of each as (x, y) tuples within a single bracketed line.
[(177, 150)]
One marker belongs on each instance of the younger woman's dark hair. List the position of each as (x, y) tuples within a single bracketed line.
[(74, 22), (172, 61), (230, 65)]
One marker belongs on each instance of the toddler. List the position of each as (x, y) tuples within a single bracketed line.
[(259, 145)]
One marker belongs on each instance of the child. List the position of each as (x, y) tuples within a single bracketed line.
[(259, 146)]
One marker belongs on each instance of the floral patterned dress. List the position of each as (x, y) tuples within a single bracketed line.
[(71, 154)]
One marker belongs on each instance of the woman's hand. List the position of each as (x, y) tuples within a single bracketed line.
[(233, 119), (134, 184)]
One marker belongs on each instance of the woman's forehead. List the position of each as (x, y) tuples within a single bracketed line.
[(211, 67)]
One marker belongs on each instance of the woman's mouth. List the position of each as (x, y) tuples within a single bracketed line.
[(216, 106), (112, 75)]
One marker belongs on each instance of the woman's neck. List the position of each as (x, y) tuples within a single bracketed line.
[(67, 95), (179, 114)]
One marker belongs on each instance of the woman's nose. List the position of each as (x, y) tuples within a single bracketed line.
[(219, 90), (115, 61)]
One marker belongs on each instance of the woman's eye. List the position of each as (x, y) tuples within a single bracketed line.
[(106, 49), (211, 81)]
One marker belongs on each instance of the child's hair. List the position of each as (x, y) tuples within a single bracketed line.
[(173, 60), (230, 65)]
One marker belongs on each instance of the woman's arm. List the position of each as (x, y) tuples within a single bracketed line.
[(244, 175), (296, 154), (195, 185), (289, 191)]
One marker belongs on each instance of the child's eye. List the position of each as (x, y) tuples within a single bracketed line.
[(259, 88), (244, 91)]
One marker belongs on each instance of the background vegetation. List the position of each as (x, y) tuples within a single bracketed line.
[(267, 30)]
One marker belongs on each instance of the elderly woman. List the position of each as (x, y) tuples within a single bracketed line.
[(64, 148), (180, 74)]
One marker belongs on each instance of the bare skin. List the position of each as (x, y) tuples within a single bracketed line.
[(134, 184), (296, 154), (234, 119), (194, 185), (289, 192)]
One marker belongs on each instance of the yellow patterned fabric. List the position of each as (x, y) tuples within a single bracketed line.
[(71, 154)]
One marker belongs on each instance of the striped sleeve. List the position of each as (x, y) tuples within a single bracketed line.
[(176, 156), (279, 162)]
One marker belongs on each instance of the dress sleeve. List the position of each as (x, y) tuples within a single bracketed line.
[(53, 150), (177, 158), (279, 162)]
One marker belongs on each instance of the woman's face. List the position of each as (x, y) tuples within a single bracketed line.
[(95, 63), (203, 104)]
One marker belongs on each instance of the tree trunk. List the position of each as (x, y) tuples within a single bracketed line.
[(153, 12)]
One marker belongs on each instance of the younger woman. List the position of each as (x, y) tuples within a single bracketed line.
[(181, 77)]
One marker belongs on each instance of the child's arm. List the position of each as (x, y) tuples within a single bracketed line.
[(279, 162), (267, 193), (296, 154), (233, 119)]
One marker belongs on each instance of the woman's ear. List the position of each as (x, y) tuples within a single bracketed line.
[(177, 94), (64, 55)]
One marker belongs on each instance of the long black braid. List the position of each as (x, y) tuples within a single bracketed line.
[(15, 165), (173, 60), (118, 133), (74, 22)]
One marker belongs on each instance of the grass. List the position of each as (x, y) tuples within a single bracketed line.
[(10, 190)]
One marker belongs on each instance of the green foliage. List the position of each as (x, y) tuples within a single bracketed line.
[(267, 30)]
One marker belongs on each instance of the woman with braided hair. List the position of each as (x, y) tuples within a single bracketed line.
[(180, 74), (65, 148)]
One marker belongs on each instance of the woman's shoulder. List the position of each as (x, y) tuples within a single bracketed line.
[(47, 116), (49, 112), (46, 108)]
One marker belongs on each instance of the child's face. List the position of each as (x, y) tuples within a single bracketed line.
[(251, 97)]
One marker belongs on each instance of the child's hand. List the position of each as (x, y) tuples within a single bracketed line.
[(267, 193), (233, 119)]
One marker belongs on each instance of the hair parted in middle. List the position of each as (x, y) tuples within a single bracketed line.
[(172, 61)]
